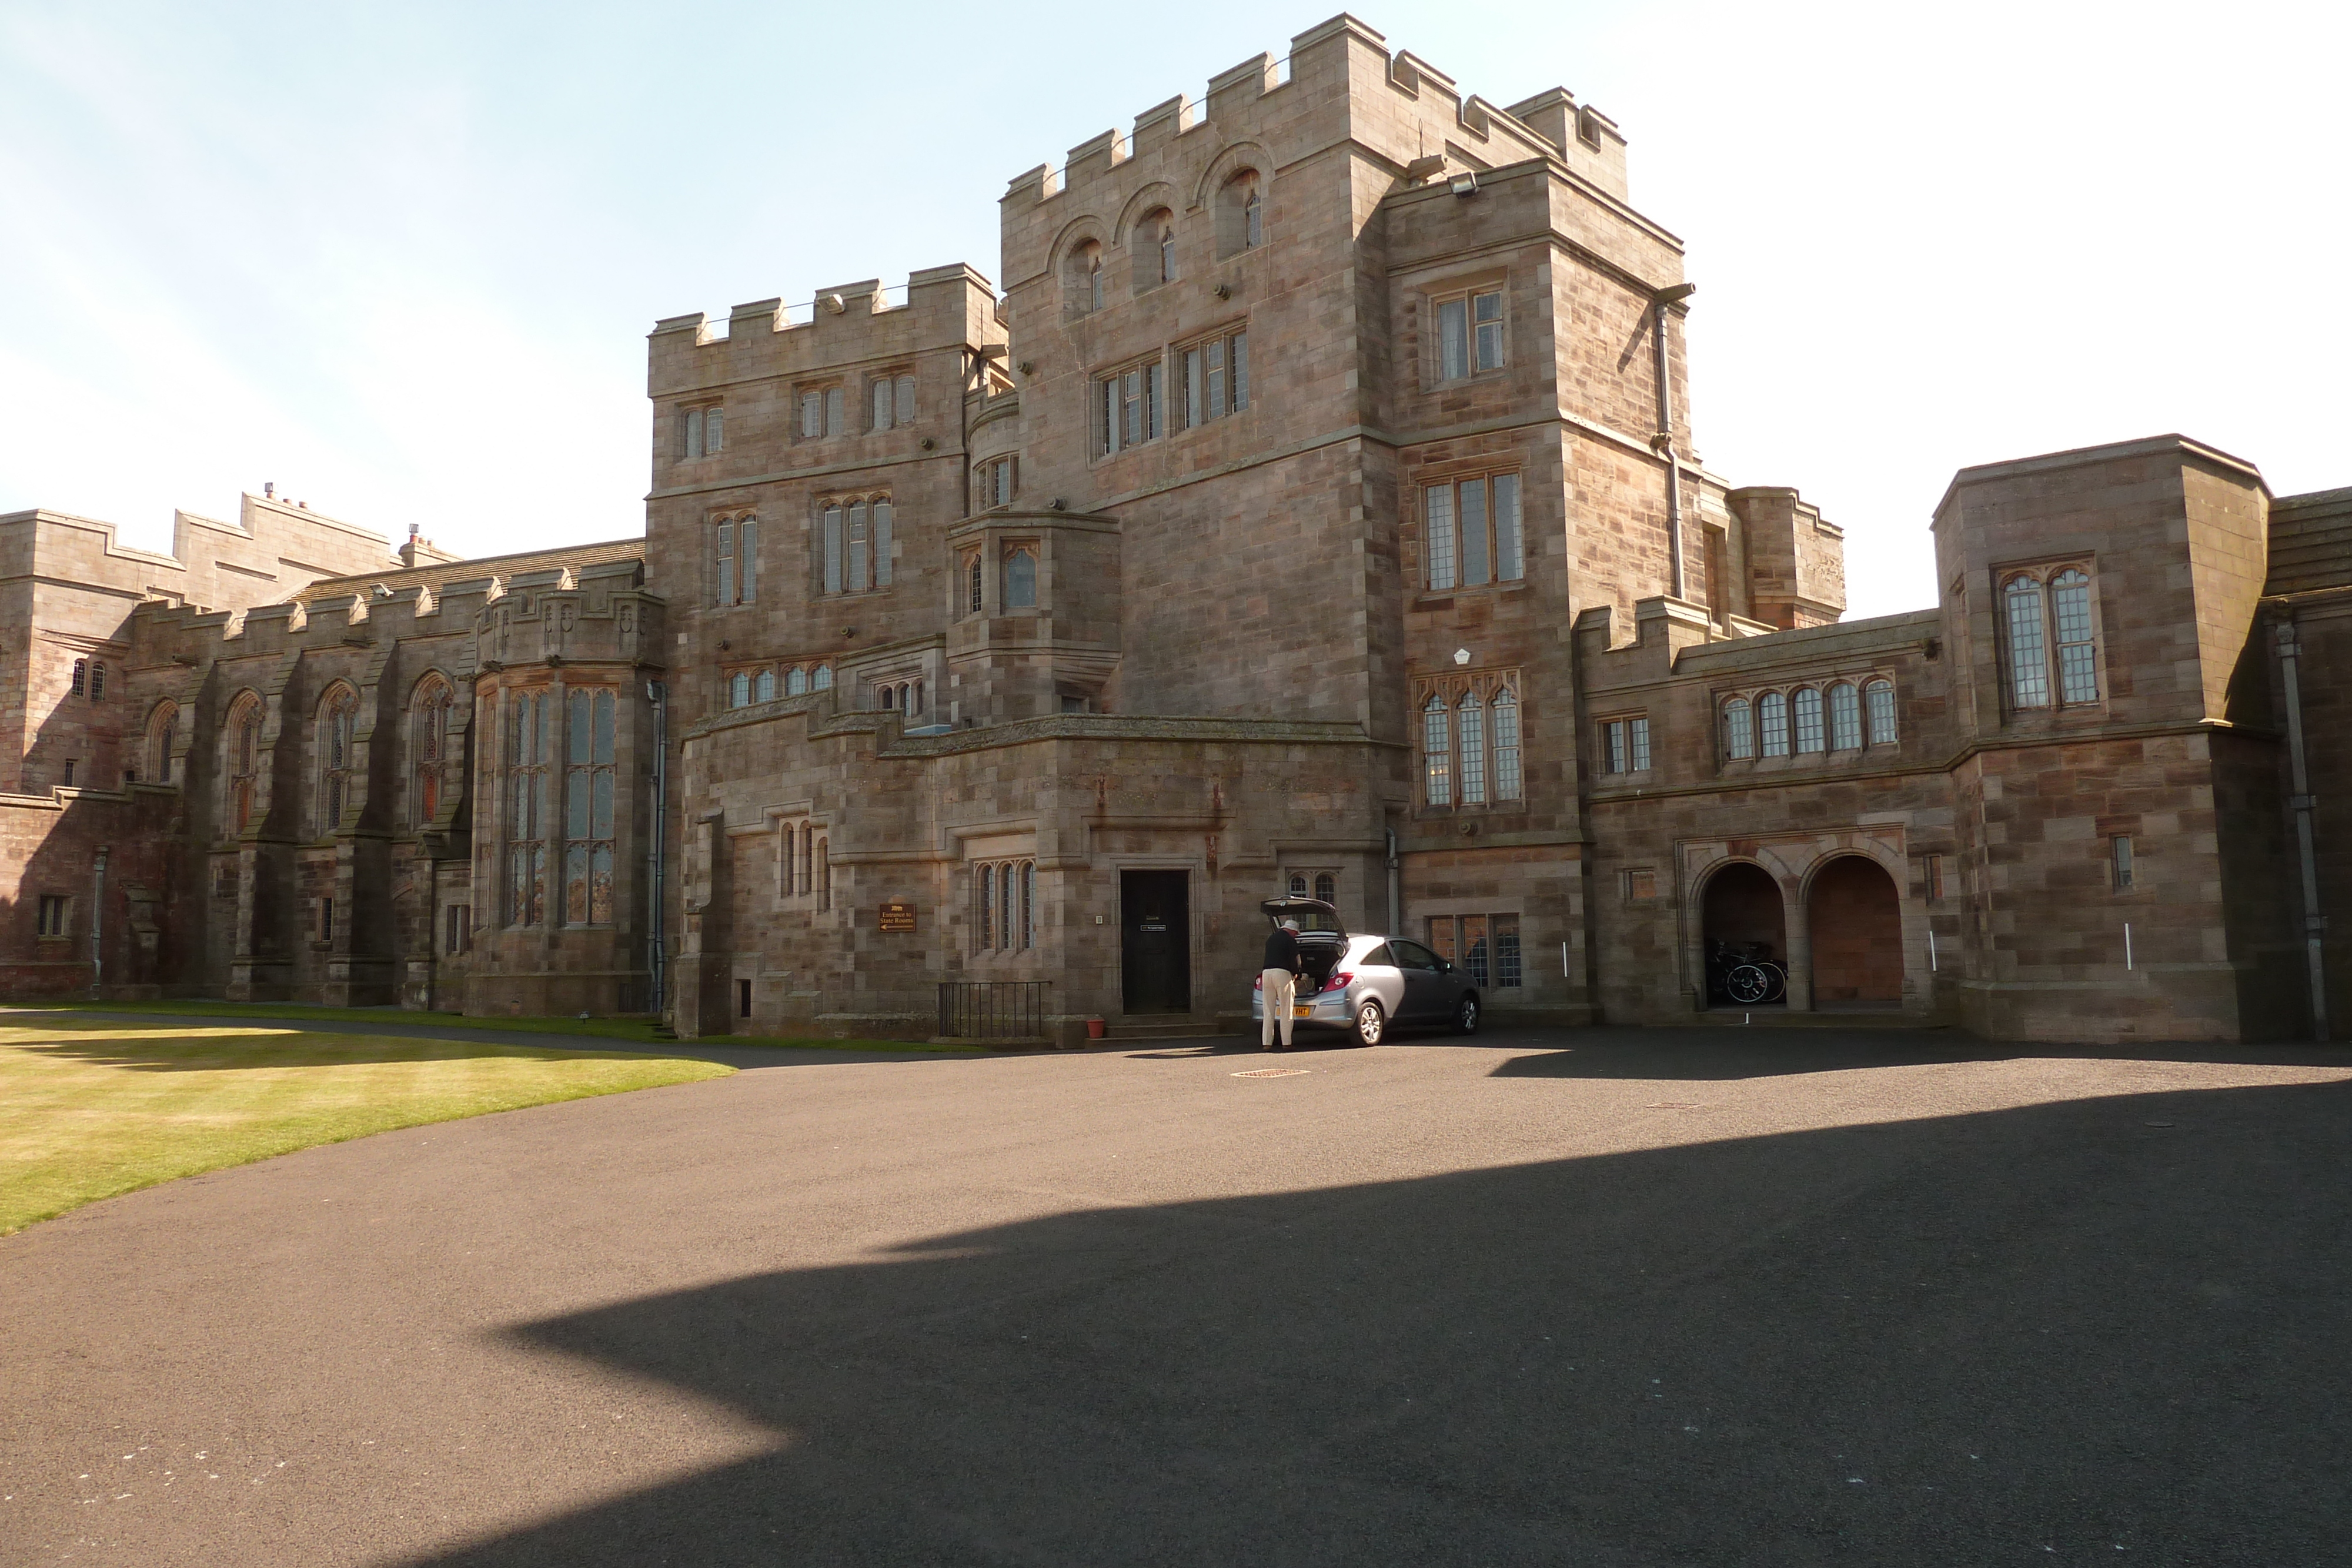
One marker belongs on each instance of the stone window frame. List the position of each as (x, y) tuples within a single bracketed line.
[(1008, 552), (241, 762), (1201, 391), (1004, 888), (971, 577), (431, 703), (1505, 550), (1784, 729), (1128, 405), (1241, 211), (893, 408), (1624, 745), (1500, 705), (798, 832), (835, 517), (1082, 275), (335, 743), (1000, 482), (162, 729), (2057, 684), (1450, 935), (526, 814), (820, 409), (907, 697), (1153, 238), (701, 429), (53, 916), (591, 805), (1324, 881), (734, 558), (1469, 292)]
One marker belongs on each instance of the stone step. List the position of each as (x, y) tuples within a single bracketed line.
[(1833, 1017), (1155, 1028)]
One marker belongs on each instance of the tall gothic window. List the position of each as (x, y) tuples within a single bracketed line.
[(531, 718), (335, 723), (1506, 745), (588, 811), (854, 543), (2053, 647), (1470, 715), (161, 725), (1437, 750), (429, 746), (244, 761)]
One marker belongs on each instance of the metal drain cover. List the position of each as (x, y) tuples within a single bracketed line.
[(1274, 1072)]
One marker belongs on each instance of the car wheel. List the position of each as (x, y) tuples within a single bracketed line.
[(1370, 1023), (1465, 1016)]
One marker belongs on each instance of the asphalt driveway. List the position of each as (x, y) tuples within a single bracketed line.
[(1603, 1297)]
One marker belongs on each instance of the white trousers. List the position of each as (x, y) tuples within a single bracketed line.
[(1280, 987)]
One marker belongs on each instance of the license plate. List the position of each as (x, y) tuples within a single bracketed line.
[(1302, 1009)]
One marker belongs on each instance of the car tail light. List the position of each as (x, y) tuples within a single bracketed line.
[(1339, 981)]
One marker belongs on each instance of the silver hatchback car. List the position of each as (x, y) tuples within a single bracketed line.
[(1363, 984)]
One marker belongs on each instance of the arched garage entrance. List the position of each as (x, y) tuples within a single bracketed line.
[(1854, 919), (1741, 908)]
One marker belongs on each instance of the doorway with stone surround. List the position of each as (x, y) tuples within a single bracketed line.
[(1155, 932), (1854, 918), (1741, 907)]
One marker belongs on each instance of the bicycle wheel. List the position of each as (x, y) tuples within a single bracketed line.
[(1747, 984), (1779, 978)]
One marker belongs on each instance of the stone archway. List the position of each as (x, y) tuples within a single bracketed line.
[(1742, 906), (1854, 920)]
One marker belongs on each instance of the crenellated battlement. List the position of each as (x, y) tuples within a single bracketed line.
[(843, 324), (1346, 55)]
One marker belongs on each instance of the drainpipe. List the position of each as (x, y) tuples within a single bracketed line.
[(2315, 924), (1396, 889), (97, 926), (653, 963), (1665, 440)]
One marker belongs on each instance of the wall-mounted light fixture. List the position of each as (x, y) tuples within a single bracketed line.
[(1465, 183)]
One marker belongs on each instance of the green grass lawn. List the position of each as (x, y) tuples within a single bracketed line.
[(638, 1029), (90, 1109)]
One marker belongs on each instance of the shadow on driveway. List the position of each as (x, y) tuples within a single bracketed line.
[(1725, 1054), (2036, 1335)]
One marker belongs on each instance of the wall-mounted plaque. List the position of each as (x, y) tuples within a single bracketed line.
[(897, 915)]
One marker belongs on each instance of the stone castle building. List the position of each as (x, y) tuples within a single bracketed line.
[(1317, 509)]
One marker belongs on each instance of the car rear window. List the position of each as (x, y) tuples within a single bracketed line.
[(1378, 955)]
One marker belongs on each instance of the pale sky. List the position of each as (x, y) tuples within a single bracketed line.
[(401, 258)]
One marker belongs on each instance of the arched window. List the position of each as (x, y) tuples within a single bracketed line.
[(1845, 717), (985, 920), (764, 689), (1879, 698), (972, 584), (1808, 706), (588, 787), (1326, 888), (1241, 222), (244, 770), (1084, 278), (1004, 917), (1155, 250), (1739, 728), (795, 681), (806, 874), (1437, 750), (1506, 745), (2070, 605), (81, 676), (97, 681), (738, 689), (2029, 659), (530, 740), (1472, 715), (1298, 884), (886, 698), (822, 680), (1772, 719), (161, 725), (428, 747), (824, 876), (1020, 578), (335, 720)]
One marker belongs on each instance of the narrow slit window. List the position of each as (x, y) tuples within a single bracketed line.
[(1471, 715), (1437, 751)]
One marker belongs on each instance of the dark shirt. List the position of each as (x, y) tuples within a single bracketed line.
[(1281, 949)]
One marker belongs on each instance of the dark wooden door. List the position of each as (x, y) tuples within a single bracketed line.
[(1156, 941)]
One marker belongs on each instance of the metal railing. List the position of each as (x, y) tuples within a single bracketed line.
[(992, 1009)]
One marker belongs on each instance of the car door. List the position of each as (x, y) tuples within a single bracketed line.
[(1426, 994)]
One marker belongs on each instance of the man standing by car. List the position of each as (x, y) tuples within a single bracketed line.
[(1278, 981)]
